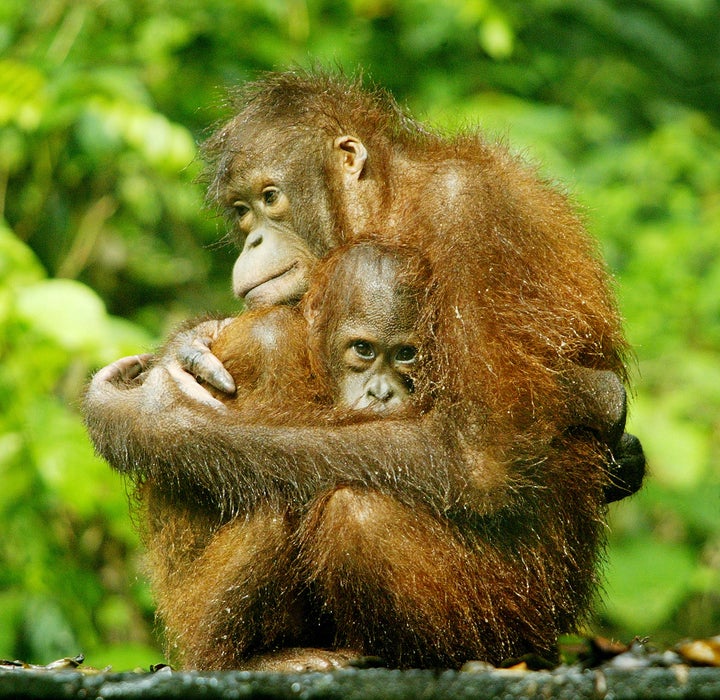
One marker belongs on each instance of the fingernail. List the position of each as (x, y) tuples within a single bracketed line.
[(226, 383)]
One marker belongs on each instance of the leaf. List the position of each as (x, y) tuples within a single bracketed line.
[(646, 580), (496, 37), (65, 311), (22, 95), (65, 460), (18, 263)]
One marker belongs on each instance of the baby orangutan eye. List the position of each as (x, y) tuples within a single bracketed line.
[(406, 354), (363, 349)]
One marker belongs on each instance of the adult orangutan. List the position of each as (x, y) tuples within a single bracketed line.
[(470, 531)]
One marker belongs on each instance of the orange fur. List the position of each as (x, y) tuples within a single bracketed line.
[(471, 531)]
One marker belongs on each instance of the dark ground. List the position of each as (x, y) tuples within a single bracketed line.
[(600, 669), (564, 682)]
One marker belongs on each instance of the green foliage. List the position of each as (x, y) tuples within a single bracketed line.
[(101, 108), (68, 548), (659, 217)]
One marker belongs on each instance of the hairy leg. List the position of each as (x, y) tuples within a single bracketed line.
[(239, 597), (401, 584)]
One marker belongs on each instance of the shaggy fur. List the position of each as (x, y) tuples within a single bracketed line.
[(471, 531)]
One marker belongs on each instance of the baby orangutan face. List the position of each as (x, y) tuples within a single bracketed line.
[(373, 354), (373, 372)]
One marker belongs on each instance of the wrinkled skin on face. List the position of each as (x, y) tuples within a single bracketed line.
[(274, 264), (372, 351), (373, 374), (278, 214)]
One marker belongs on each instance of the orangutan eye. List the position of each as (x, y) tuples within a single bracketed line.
[(363, 349), (240, 209), (406, 354), (270, 195)]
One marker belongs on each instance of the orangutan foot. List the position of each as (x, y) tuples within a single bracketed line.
[(300, 660)]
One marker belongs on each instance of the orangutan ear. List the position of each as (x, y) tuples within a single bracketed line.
[(352, 155), (311, 309)]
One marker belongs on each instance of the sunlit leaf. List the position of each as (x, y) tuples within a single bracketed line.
[(678, 449), (496, 37), (64, 310), (18, 263), (22, 94), (646, 580)]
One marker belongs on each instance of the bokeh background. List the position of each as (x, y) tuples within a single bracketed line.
[(105, 244)]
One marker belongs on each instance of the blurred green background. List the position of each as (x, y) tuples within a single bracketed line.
[(105, 244)]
